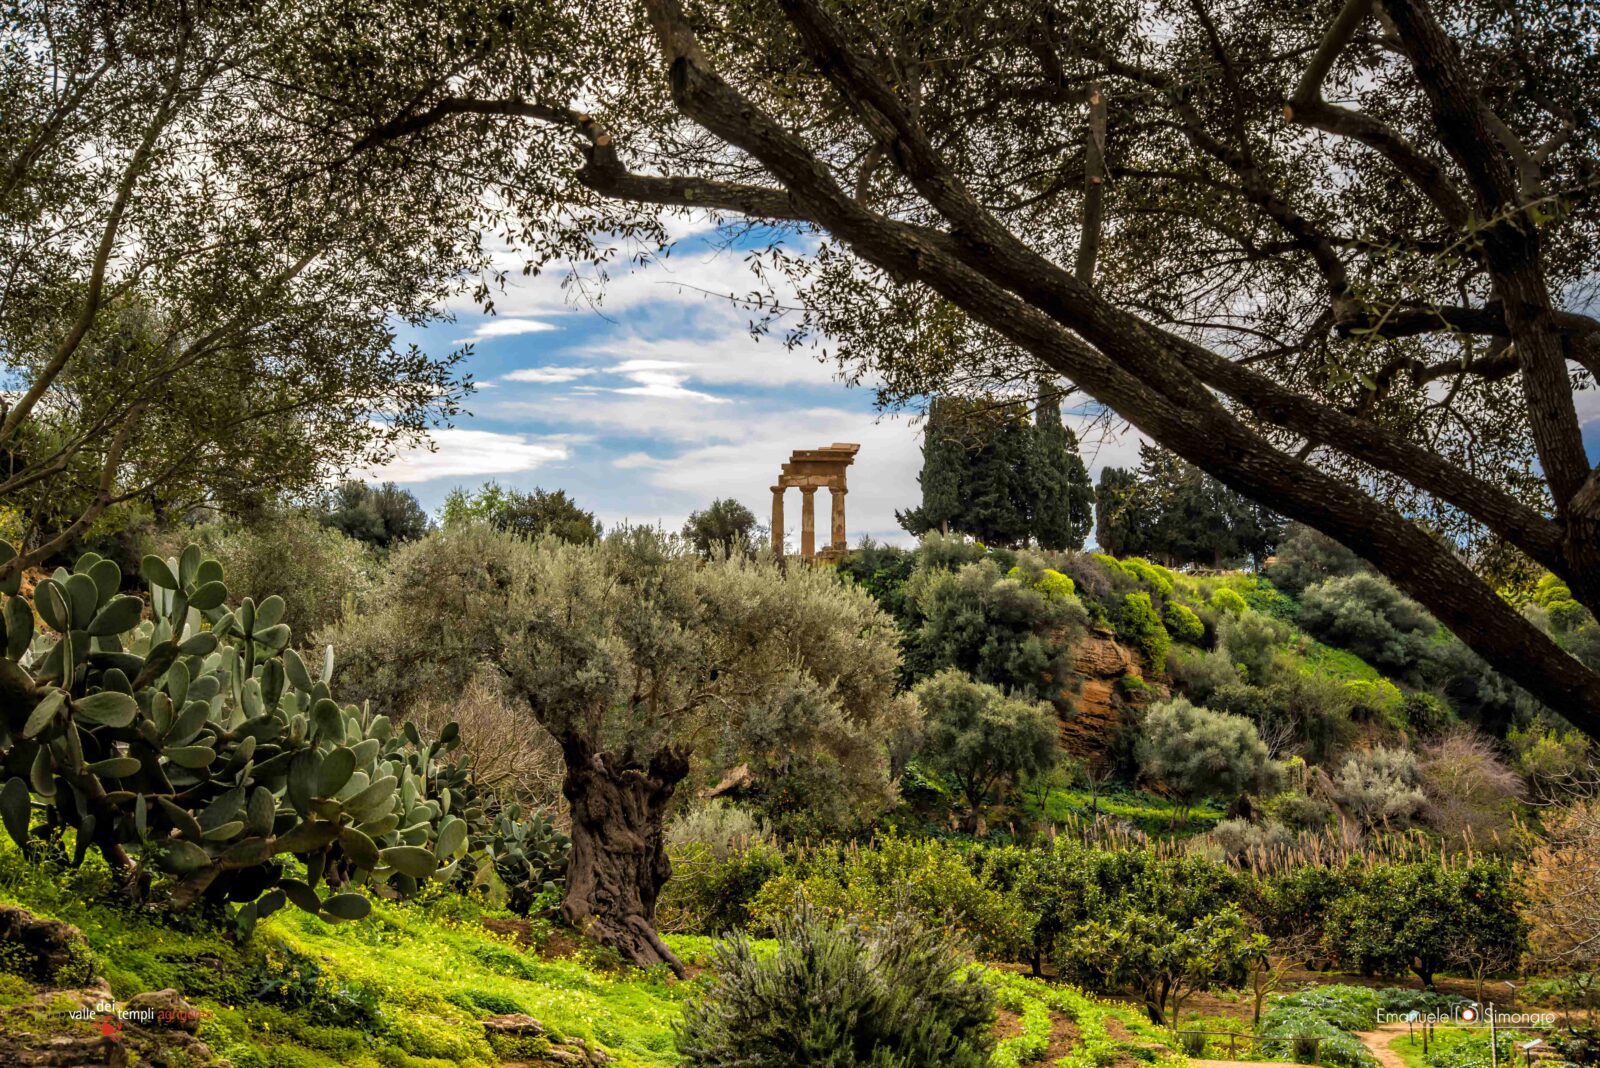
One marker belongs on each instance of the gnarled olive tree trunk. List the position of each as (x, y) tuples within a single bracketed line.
[(619, 862)]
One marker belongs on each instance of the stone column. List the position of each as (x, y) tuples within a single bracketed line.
[(808, 522), (777, 522), (837, 494)]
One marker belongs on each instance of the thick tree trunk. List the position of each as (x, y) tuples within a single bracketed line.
[(619, 862)]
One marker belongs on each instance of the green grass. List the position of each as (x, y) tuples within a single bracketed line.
[(1150, 813), (406, 988), (1452, 1045)]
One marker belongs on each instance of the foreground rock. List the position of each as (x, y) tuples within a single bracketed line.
[(68, 1020), (519, 1039)]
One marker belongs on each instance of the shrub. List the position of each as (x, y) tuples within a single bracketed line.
[(1238, 838), (1153, 576), (997, 629), (1307, 557), (1182, 623), (1139, 624), (871, 884), (1368, 616), (711, 891), (1225, 600), (1425, 713), (320, 573), (981, 738), (722, 827), (1252, 642), (1380, 787), (1309, 715), (526, 514), (833, 993), (1467, 785), (1196, 752), (1200, 674)]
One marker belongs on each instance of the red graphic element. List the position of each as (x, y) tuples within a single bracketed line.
[(1469, 1014), (111, 1028)]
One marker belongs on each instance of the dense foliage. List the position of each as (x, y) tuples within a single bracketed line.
[(990, 472), (199, 745), (837, 994), (1177, 513), (530, 514)]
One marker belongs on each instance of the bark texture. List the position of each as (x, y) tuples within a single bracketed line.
[(619, 860)]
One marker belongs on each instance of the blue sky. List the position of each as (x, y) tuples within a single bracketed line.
[(658, 400)]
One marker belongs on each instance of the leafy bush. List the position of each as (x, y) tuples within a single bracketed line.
[(833, 993), (1238, 838), (1310, 715), (1333, 1015), (869, 884), (1225, 600), (527, 514), (1201, 674), (1307, 556), (997, 629), (320, 573), (1196, 752), (1380, 787), (712, 891), (1368, 616), (1252, 642), (1182, 623), (722, 827), (1139, 624), (981, 738)]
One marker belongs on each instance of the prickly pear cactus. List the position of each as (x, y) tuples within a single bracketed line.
[(190, 741)]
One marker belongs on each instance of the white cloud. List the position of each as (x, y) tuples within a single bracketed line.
[(461, 452), (547, 374), (489, 328), (634, 460)]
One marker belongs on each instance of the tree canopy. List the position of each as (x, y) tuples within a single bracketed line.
[(1177, 513), (990, 472), (382, 516), (203, 274), (724, 526), (530, 514)]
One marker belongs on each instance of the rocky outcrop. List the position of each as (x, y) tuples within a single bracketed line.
[(43, 951), (1108, 684), (520, 1041)]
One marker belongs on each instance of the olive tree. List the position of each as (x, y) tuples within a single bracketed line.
[(202, 279), (982, 738), (648, 665), (1196, 752)]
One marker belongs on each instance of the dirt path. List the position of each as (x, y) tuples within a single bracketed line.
[(1378, 1042)]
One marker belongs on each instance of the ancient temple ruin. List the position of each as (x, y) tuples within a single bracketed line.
[(809, 470)]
